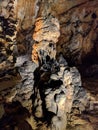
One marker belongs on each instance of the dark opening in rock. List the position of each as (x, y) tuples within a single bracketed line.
[(94, 16)]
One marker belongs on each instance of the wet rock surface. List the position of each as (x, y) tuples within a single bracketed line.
[(48, 65)]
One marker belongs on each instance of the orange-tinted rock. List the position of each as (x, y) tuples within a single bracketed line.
[(59, 27), (46, 32)]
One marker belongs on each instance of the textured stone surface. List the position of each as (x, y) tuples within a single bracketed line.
[(56, 94), (8, 32), (49, 64), (46, 35)]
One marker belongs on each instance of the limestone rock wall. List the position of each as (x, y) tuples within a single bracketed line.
[(48, 64), (8, 32), (80, 30)]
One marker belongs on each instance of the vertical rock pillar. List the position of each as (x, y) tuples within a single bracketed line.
[(54, 80)]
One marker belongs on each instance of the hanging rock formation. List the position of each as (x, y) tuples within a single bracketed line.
[(48, 65)]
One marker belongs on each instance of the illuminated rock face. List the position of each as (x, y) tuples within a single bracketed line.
[(54, 87), (46, 34), (42, 43)]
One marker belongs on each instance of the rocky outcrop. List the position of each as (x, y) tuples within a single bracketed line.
[(79, 31), (48, 64), (8, 32), (54, 84), (46, 35), (54, 93)]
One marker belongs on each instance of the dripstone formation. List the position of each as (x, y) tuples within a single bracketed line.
[(48, 65)]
